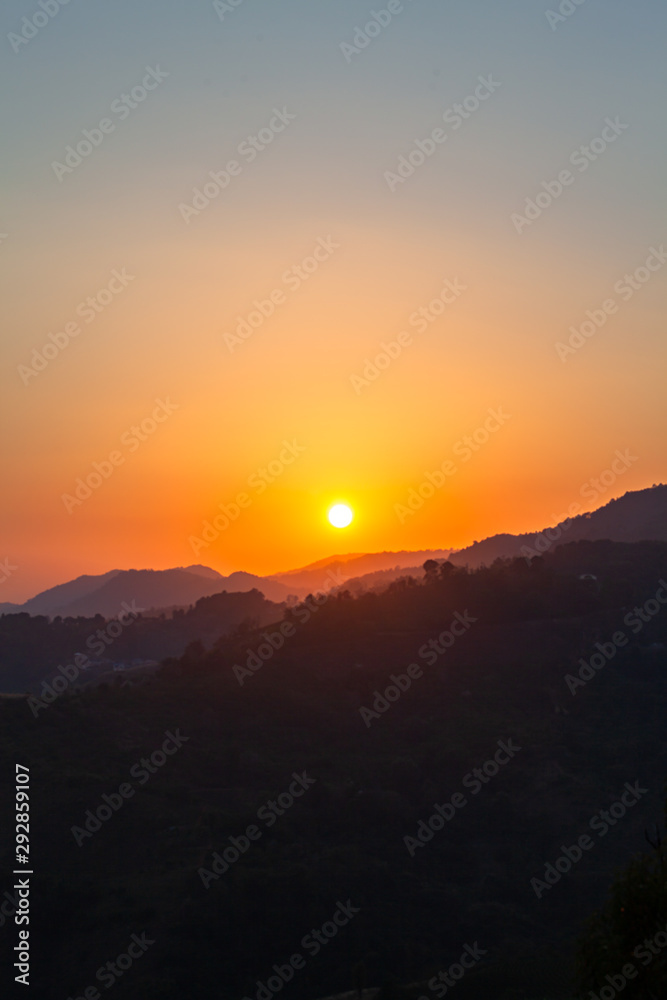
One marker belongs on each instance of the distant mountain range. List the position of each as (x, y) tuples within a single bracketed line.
[(634, 517), (153, 590), (149, 589), (639, 516), (323, 574)]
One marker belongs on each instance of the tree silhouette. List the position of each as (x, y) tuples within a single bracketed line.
[(430, 570), (630, 929)]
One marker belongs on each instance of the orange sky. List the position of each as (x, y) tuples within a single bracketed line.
[(291, 381), (168, 331)]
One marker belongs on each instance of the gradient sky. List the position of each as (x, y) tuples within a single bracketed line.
[(323, 178)]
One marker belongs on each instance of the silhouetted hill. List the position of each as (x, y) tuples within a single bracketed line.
[(320, 576), (637, 516), (446, 670), (33, 647), (640, 515), (242, 582), (150, 589), (61, 595), (381, 578), (199, 570)]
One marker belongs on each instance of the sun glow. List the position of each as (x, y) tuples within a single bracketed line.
[(340, 515)]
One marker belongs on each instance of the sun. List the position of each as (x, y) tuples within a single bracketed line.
[(340, 515)]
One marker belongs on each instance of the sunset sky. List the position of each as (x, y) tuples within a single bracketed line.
[(318, 214)]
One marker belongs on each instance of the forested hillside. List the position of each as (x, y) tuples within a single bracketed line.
[(514, 704)]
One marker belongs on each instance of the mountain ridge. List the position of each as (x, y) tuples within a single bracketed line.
[(637, 515)]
